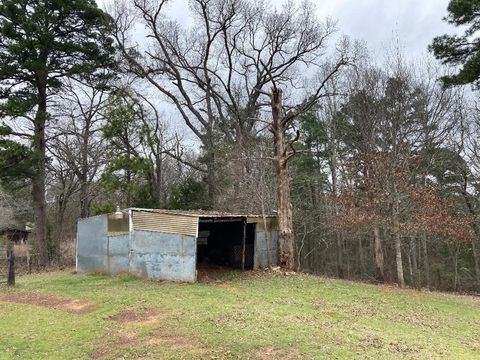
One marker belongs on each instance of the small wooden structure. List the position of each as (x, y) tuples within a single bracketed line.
[(14, 234)]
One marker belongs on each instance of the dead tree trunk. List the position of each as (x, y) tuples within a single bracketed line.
[(281, 155)]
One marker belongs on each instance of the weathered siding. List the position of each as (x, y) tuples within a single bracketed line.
[(158, 246), (163, 256), (92, 244), (165, 223), (118, 251), (260, 223), (261, 253)]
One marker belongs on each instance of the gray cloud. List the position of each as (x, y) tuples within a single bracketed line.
[(377, 22)]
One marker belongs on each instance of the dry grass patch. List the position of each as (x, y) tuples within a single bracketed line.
[(114, 344), (268, 353), (228, 286), (138, 315)]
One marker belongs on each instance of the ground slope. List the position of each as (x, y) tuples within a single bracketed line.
[(258, 316)]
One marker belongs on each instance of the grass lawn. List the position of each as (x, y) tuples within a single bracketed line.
[(62, 315)]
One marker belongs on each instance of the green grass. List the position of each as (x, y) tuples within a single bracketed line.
[(246, 317)]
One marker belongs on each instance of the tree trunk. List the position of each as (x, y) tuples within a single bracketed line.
[(396, 236), (413, 253), (426, 263), (476, 261), (398, 257), (159, 180), (84, 197), (58, 234), (211, 179), (340, 266), (410, 269), (128, 172), (38, 181), (378, 254), (11, 263), (210, 163), (476, 229), (84, 186), (284, 205), (338, 235), (455, 267), (361, 257)]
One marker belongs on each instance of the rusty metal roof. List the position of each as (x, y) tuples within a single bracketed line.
[(203, 213)]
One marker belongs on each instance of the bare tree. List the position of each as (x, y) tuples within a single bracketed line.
[(216, 73), (76, 142)]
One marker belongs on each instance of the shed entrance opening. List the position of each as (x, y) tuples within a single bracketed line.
[(225, 243)]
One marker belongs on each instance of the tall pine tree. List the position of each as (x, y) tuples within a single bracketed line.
[(42, 42), (464, 50)]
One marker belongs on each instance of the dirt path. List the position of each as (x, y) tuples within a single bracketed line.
[(72, 306)]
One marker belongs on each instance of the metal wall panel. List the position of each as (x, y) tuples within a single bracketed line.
[(92, 244), (118, 254), (165, 223), (263, 252), (163, 256)]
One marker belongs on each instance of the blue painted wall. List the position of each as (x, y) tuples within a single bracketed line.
[(163, 256), (154, 255), (118, 250), (261, 253), (92, 244)]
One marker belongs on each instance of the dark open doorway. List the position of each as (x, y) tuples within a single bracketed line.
[(225, 243)]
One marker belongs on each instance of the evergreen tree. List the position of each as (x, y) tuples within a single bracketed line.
[(190, 194), (42, 42), (461, 50)]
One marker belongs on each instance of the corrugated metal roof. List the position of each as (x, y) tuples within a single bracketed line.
[(203, 213)]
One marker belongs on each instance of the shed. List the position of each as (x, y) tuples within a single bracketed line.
[(174, 245), (14, 233)]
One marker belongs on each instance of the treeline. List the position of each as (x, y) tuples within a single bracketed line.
[(247, 109), (387, 177)]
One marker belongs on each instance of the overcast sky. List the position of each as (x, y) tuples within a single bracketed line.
[(415, 22), (377, 22)]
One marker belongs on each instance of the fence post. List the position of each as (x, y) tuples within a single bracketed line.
[(11, 264)]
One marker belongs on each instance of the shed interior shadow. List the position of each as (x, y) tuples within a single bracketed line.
[(220, 244)]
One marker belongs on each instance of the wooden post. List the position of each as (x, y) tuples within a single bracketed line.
[(244, 241), (11, 264)]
